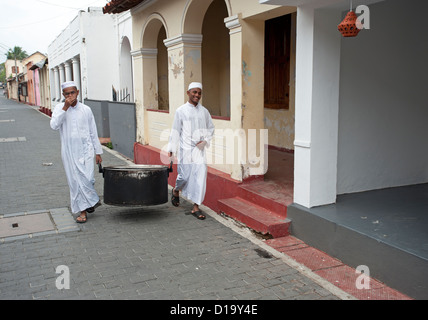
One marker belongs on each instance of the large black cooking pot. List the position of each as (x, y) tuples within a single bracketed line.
[(136, 185)]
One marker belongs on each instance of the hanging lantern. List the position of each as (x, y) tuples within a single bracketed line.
[(348, 27)]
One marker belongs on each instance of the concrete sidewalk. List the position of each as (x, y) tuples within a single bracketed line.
[(157, 252)]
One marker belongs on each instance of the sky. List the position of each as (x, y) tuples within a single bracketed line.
[(35, 24)]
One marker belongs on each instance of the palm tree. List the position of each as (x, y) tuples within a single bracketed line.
[(16, 53)]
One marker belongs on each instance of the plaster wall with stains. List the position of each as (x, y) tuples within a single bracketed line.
[(239, 93)]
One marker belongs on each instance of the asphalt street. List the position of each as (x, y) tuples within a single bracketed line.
[(153, 252)]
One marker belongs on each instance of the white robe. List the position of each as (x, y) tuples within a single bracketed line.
[(191, 125), (79, 144)]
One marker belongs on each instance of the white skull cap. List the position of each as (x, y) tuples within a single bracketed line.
[(68, 84), (195, 85)]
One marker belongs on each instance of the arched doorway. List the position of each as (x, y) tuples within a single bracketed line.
[(216, 60), (162, 68), (126, 85), (155, 64), (206, 17)]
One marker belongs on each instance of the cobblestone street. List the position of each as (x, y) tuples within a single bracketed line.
[(157, 252)]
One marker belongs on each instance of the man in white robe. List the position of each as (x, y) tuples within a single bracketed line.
[(192, 130), (79, 144)]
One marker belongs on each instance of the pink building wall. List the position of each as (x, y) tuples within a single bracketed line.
[(33, 86), (37, 100), (30, 84)]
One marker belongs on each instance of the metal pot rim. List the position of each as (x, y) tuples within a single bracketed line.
[(137, 167)]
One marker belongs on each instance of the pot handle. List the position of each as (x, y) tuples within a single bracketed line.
[(100, 169), (170, 168)]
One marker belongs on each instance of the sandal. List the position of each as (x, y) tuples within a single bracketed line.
[(198, 214), (83, 219), (92, 209), (175, 200)]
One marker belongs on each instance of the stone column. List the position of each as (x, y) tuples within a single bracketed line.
[(68, 75), (137, 58), (57, 87), (184, 56), (61, 79), (317, 107), (76, 75), (247, 96)]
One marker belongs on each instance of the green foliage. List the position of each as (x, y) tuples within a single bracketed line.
[(2, 73), (17, 53)]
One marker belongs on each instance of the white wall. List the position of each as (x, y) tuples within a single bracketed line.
[(383, 112), (66, 45), (99, 56), (93, 38)]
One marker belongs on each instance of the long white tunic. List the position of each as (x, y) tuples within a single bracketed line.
[(79, 144), (191, 125)]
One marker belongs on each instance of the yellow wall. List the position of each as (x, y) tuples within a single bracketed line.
[(230, 65), (280, 123)]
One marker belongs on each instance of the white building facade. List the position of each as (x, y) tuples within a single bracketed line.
[(360, 135), (359, 123), (91, 51)]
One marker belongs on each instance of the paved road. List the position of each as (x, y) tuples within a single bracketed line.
[(156, 252)]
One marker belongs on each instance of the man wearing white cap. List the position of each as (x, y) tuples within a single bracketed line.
[(192, 130), (79, 144)]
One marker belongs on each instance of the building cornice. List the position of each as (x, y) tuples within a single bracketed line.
[(189, 39)]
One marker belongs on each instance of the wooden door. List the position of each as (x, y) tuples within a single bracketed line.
[(277, 62)]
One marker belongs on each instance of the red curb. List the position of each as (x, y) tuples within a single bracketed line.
[(334, 271), (313, 258), (345, 278), (287, 243)]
